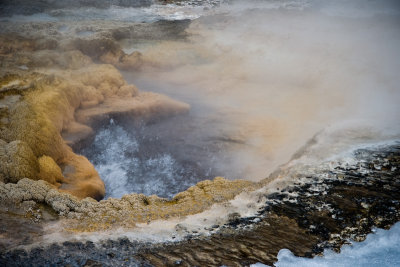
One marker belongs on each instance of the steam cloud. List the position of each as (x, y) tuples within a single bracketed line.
[(265, 80)]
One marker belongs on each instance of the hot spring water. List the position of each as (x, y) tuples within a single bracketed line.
[(262, 78), (148, 159)]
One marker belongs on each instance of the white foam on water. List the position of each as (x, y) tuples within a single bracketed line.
[(246, 204), (381, 248), (117, 155), (111, 162)]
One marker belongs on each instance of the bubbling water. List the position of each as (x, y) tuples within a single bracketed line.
[(163, 157), (261, 82), (138, 159)]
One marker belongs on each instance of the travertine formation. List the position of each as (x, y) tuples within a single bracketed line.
[(333, 203), (68, 102), (90, 215), (54, 93)]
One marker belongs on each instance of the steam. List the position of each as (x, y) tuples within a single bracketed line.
[(141, 162), (268, 79)]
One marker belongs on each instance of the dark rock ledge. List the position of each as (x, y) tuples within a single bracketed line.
[(325, 211)]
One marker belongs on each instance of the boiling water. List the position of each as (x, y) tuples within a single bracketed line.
[(262, 78), (151, 159)]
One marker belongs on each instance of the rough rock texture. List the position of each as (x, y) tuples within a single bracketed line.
[(59, 81), (90, 215), (33, 122), (102, 45), (106, 50), (324, 210), (329, 206), (17, 162), (49, 170), (53, 97)]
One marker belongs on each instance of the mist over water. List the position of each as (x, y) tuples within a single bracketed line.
[(151, 159), (262, 78), (275, 75), (268, 82)]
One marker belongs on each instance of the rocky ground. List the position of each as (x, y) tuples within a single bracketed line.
[(60, 81), (322, 210), (56, 87)]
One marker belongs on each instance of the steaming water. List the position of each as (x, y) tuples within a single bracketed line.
[(262, 78), (141, 160), (278, 74), (381, 248)]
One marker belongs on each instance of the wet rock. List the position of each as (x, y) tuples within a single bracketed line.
[(329, 206), (316, 221), (307, 225)]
